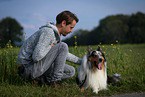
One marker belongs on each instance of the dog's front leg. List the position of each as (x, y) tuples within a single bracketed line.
[(96, 90)]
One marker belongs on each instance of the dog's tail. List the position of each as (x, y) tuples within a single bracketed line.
[(114, 79), (81, 83)]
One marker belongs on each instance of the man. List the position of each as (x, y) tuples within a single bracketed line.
[(43, 55)]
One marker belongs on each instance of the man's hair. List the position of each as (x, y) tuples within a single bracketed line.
[(67, 16)]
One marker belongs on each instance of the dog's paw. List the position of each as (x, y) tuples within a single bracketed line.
[(95, 91)]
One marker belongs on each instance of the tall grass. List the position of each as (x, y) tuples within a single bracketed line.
[(8, 65), (127, 60)]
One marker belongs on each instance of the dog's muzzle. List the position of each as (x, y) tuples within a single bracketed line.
[(98, 65)]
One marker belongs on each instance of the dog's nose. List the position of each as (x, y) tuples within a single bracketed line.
[(100, 59)]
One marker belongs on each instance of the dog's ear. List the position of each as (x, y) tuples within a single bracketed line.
[(89, 50), (99, 48)]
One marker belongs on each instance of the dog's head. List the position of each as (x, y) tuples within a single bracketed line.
[(97, 58)]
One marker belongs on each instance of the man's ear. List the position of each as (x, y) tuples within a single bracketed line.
[(63, 23), (89, 50)]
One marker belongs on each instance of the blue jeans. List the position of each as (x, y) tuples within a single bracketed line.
[(52, 66)]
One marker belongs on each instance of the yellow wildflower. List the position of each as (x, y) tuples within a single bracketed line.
[(111, 44), (117, 41), (104, 52), (114, 46), (75, 36), (75, 46)]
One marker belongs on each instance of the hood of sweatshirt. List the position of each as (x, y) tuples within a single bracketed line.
[(53, 26)]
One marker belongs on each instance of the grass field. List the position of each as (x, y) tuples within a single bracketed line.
[(127, 60)]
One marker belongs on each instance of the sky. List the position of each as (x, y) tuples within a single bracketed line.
[(32, 14)]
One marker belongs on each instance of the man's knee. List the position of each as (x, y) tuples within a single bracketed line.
[(72, 72), (63, 46), (69, 71)]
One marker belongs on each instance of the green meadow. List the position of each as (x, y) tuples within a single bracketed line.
[(127, 60)]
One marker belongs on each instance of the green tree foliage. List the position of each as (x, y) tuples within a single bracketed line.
[(113, 28), (10, 29), (124, 28), (81, 36), (136, 25)]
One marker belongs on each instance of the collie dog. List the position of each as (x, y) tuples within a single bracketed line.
[(93, 71)]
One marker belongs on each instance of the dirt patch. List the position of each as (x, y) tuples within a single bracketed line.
[(130, 95)]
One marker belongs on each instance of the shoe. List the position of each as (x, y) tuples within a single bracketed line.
[(20, 70)]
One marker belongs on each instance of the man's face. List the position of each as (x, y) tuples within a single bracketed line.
[(68, 28)]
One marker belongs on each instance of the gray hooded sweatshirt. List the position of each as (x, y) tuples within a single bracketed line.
[(39, 44)]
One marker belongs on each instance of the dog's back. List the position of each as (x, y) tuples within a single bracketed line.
[(83, 73)]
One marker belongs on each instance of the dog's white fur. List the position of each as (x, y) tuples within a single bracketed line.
[(97, 80)]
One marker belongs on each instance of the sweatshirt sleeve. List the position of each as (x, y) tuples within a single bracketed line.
[(74, 59), (44, 43)]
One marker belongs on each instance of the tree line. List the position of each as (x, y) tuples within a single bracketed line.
[(123, 28), (10, 31)]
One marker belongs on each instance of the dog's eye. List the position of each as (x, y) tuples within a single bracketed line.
[(100, 59), (95, 55)]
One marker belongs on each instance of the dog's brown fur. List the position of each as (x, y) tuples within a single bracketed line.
[(92, 59)]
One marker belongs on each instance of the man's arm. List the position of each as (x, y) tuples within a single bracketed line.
[(74, 59), (44, 44)]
